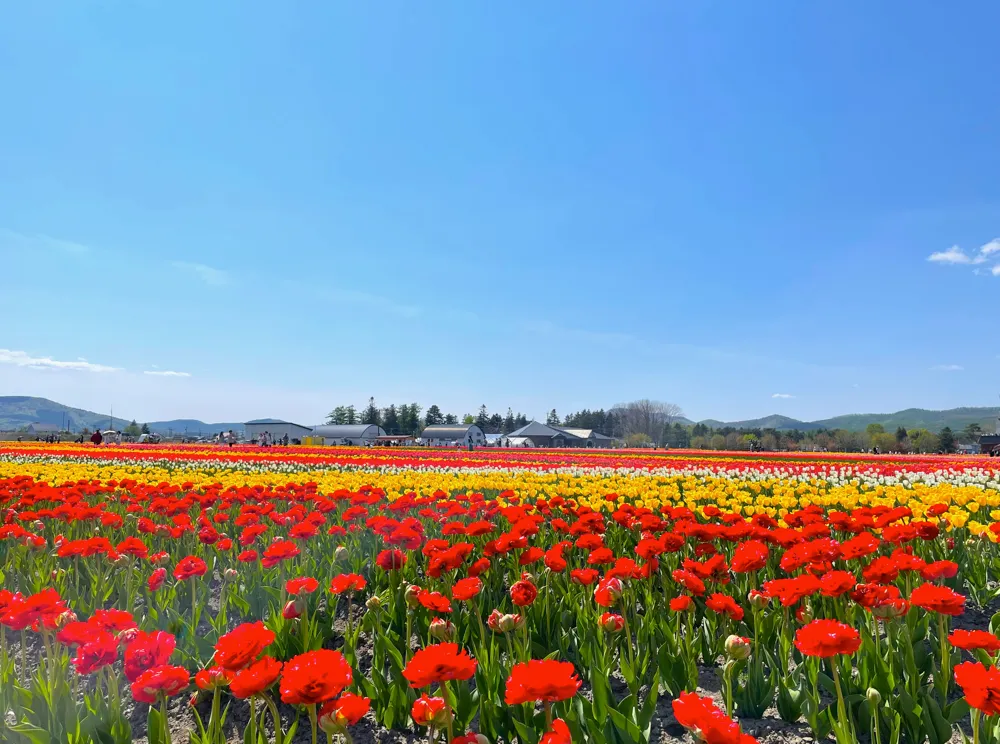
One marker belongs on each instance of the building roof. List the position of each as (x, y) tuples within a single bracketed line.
[(458, 431), (273, 422), (348, 431), (535, 429), (36, 426), (519, 442), (584, 433)]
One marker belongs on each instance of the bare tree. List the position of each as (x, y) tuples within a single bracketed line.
[(648, 417)]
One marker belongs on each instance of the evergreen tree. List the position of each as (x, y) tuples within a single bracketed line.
[(483, 418), (390, 420), (145, 429), (520, 420), (404, 419), (433, 417), (496, 423), (371, 414), (337, 416), (900, 435), (350, 415), (947, 439), (133, 429), (553, 418), (413, 423), (451, 419), (508, 422)]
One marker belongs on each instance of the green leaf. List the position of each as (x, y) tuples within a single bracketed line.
[(32, 733), (155, 732)]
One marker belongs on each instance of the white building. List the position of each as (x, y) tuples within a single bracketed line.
[(451, 436), (349, 435), (276, 428)]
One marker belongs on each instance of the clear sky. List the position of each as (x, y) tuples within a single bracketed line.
[(727, 205)]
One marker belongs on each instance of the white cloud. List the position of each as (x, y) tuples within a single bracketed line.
[(953, 255), (166, 373), (215, 277), (782, 395), (947, 368), (990, 248), (956, 256), (41, 242), (23, 359)]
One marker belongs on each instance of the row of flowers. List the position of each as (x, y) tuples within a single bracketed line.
[(253, 589)]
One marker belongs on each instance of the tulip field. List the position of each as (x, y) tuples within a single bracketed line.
[(190, 593)]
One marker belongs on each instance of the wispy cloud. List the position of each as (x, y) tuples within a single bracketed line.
[(548, 329), (209, 275), (23, 359), (957, 257), (377, 303), (947, 368), (166, 373), (40, 242), (782, 395)]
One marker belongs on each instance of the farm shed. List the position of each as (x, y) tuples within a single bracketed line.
[(444, 436), (351, 435), (276, 428)]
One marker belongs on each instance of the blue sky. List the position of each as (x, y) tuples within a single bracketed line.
[(540, 205)]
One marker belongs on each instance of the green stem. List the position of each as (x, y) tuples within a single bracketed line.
[(312, 721), (279, 735), (253, 719), (213, 724), (975, 726), (409, 633), (163, 715), (727, 679), (945, 659), (841, 705)]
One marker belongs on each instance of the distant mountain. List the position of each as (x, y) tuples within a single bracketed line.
[(917, 418), (911, 418), (18, 411), (774, 421), (193, 426)]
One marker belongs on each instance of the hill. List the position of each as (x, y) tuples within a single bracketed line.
[(917, 418), (911, 418), (18, 411)]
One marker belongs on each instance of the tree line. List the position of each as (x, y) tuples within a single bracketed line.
[(642, 420), (874, 437)]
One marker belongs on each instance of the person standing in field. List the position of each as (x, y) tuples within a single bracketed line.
[(231, 439), (97, 438)]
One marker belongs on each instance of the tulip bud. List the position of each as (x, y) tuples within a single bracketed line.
[(804, 615), (511, 622), (58, 573), (411, 596), (528, 577), (442, 629), (340, 555), (39, 525), (891, 609), (480, 739), (374, 603), (292, 610), (230, 574), (874, 696), (127, 636), (65, 619), (493, 621), (612, 623), (738, 648), (758, 600)]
